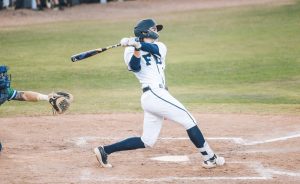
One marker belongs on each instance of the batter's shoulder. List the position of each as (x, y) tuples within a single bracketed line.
[(160, 44), (162, 48)]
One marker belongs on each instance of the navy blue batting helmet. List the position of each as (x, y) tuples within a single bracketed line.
[(144, 29)]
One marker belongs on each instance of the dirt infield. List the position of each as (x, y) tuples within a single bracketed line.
[(58, 149)]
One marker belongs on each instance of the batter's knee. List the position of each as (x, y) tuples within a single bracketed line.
[(190, 125), (149, 142)]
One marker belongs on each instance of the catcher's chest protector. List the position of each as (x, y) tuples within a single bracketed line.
[(3, 96), (4, 85)]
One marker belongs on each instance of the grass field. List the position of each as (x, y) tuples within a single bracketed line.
[(223, 60)]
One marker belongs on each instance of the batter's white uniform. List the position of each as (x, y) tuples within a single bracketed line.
[(157, 102)]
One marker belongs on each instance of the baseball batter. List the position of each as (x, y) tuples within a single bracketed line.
[(145, 56), (60, 101)]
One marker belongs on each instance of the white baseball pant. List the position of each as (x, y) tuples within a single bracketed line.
[(158, 104)]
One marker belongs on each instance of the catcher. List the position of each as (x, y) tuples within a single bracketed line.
[(60, 101)]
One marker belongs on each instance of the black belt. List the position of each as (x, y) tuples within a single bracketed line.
[(145, 89)]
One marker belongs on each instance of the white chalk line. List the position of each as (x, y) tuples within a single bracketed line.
[(273, 150), (273, 140), (269, 172), (86, 175), (281, 172), (20, 158), (171, 178), (81, 141), (263, 174)]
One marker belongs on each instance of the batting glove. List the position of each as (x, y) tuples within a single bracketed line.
[(134, 42), (124, 42)]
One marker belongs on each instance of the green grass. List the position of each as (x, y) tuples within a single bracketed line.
[(242, 59)]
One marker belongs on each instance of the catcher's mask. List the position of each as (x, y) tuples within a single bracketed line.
[(4, 78), (147, 28)]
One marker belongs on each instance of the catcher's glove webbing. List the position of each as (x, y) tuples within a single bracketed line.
[(60, 102)]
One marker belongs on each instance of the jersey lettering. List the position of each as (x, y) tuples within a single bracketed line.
[(157, 60), (147, 58)]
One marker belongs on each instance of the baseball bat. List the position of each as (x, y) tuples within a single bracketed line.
[(86, 54)]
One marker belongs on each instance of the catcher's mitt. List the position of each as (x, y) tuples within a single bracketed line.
[(60, 101)]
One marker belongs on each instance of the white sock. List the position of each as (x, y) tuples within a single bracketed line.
[(42, 97), (208, 150)]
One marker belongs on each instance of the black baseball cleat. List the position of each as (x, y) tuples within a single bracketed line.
[(102, 157)]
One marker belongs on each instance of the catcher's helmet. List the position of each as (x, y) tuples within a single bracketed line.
[(143, 29)]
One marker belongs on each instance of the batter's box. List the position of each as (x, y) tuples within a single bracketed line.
[(82, 141), (170, 172)]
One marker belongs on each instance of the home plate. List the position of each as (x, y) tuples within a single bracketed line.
[(172, 158)]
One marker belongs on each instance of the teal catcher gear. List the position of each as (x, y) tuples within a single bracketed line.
[(4, 79), (143, 29), (4, 84)]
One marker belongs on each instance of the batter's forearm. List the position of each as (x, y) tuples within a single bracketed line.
[(135, 63)]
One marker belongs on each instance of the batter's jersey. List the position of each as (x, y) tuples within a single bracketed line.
[(152, 66)]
